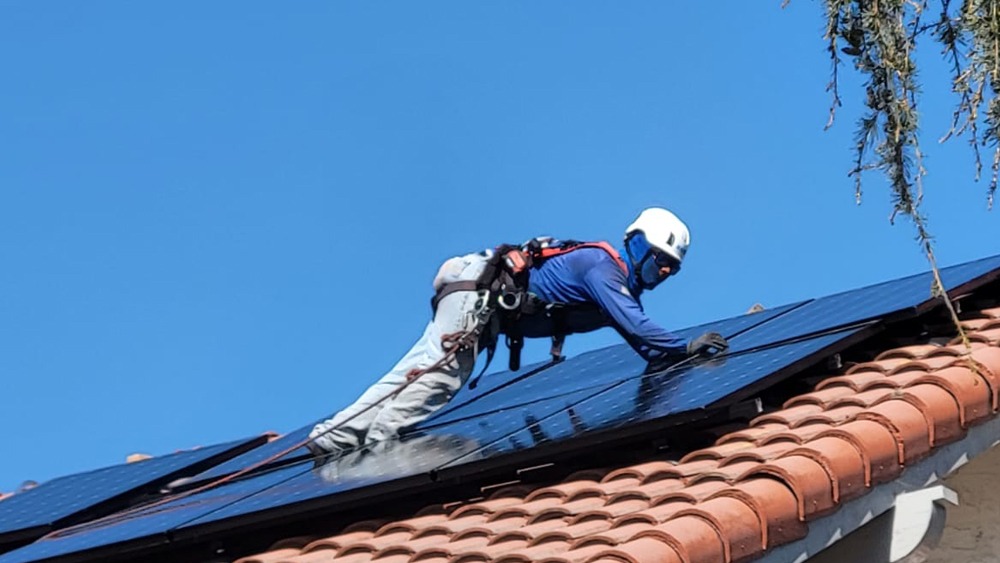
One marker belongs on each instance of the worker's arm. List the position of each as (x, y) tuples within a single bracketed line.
[(607, 286)]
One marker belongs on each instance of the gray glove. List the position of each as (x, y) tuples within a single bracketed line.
[(708, 344)]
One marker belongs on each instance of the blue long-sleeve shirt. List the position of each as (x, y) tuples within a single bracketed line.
[(591, 276)]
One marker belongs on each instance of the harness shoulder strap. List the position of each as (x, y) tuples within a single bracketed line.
[(570, 246)]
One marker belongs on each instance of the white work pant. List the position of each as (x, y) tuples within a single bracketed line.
[(367, 420)]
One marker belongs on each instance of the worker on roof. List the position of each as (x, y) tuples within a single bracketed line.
[(545, 288)]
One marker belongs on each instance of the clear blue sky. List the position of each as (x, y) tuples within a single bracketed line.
[(222, 218)]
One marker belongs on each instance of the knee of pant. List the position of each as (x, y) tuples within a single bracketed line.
[(382, 429)]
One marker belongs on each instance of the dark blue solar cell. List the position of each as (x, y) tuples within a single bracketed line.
[(642, 399), (151, 524), (860, 305), (61, 498), (263, 453)]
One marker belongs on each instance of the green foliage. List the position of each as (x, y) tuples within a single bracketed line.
[(879, 37)]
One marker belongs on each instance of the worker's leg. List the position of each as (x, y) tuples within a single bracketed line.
[(432, 390), (347, 429)]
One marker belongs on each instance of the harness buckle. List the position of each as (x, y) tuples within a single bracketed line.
[(509, 301)]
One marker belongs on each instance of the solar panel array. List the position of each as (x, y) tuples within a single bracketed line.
[(593, 395), (32, 512)]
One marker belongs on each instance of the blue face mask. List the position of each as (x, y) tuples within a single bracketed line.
[(647, 262)]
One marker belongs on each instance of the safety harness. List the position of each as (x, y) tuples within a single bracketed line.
[(504, 287)]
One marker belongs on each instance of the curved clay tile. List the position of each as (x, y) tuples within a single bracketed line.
[(904, 379), (788, 417), (808, 480), (719, 451), (619, 485), (660, 512), (614, 510), (822, 398), (738, 523), (908, 426), (572, 508), (582, 555), (535, 552), (876, 445), (976, 324), (868, 367), (338, 541), (691, 493), (642, 550), (856, 381), (972, 392), (562, 490), (796, 435), (420, 542), (858, 401), (681, 470), (990, 336), (753, 434), (640, 471), (657, 488), (394, 552), (374, 544), (772, 450), (692, 537), (613, 536), (842, 460), (940, 408), (833, 416), (924, 365), (577, 530), (775, 504), (456, 525), (727, 473), (907, 352), (321, 557)]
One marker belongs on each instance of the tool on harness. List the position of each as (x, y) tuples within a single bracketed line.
[(506, 277)]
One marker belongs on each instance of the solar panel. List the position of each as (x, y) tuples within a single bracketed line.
[(596, 368), (859, 305), (148, 526), (258, 455), (32, 512), (642, 399)]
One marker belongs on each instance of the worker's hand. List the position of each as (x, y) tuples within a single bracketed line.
[(708, 344)]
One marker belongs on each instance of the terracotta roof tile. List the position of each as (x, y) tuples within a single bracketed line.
[(906, 353), (694, 538), (755, 489), (777, 506), (857, 381), (940, 408), (908, 425), (642, 550), (808, 480), (754, 434), (788, 416)]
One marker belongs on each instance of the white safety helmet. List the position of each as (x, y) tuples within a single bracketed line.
[(664, 234)]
